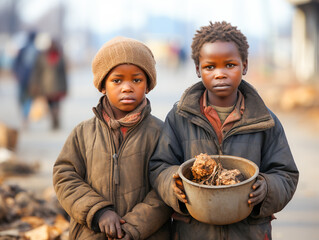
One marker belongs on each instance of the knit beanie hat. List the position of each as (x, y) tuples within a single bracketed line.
[(121, 50)]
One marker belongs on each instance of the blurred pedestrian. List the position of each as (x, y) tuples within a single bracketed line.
[(49, 80), (22, 69), (176, 54)]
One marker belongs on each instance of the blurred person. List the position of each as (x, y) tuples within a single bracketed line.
[(101, 174), (176, 54), (49, 80), (23, 66), (223, 114)]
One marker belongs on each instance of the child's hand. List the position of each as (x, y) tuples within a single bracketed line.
[(110, 223), (178, 188), (259, 191), (126, 237)]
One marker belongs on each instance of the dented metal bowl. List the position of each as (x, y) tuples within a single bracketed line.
[(220, 205)]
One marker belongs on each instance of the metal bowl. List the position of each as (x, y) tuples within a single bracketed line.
[(220, 205)]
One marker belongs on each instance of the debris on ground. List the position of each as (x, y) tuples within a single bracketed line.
[(11, 165), (209, 171), (300, 96), (6, 155), (23, 214), (8, 137), (17, 168), (27, 217)]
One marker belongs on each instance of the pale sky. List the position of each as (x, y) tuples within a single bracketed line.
[(255, 17)]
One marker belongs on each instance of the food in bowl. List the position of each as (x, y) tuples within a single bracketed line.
[(209, 171), (223, 204)]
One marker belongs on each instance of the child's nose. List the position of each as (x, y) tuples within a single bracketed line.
[(219, 73), (127, 86)]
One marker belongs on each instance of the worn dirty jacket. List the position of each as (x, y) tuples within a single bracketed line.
[(89, 175), (257, 136)]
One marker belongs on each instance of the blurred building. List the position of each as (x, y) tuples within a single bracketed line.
[(305, 34), (9, 20), (13, 30)]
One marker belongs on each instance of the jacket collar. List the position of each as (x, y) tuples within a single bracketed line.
[(256, 114)]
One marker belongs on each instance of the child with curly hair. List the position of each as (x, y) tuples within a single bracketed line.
[(223, 114)]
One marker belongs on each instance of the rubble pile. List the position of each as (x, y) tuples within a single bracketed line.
[(26, 217)]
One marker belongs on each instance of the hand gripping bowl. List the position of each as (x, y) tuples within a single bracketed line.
[(220, 205)]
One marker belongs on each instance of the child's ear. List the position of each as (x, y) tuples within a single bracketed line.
[(103, 91), (245, 67), (198, 72)]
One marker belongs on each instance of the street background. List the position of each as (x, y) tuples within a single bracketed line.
[(289, 88)]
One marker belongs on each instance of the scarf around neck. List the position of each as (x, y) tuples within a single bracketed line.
[(120, 127)]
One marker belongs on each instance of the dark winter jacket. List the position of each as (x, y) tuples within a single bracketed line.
[(88, 177), (23, 66), (258, 136)]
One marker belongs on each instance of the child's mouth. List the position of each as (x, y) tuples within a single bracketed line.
[(127, 100), (221, 87)]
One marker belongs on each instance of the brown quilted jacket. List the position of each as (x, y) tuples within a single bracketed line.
[(87, 177)]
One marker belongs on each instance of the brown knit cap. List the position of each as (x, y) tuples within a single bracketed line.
[(120, 50)]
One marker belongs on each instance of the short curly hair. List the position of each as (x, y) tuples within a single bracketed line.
[(219, 31)]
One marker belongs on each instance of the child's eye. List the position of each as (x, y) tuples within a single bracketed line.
[(210, 67), (230, 65), (116, 80), (136, 80)]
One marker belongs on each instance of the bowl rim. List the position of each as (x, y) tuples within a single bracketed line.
[(221, 186)]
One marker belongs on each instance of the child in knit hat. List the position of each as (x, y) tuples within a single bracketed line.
[(101, 174)]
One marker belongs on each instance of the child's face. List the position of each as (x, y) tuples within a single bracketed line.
[(221, 69), (125, 87)]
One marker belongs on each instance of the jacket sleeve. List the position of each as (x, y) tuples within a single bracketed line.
[(165, 162), (147, 216), (279, 170), (77, 197)]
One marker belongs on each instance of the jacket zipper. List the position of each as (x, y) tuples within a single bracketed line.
[(114, 159), (116, 170)]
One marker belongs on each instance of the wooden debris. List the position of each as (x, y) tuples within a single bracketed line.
[(299, 97), (61, 223), (47, 232), (16, 168), (6, 155), (10, 234), (39, 233), (33, 221), (8, 137), (26, 217)]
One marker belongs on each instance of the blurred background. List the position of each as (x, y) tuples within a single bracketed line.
[(283, 66)]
